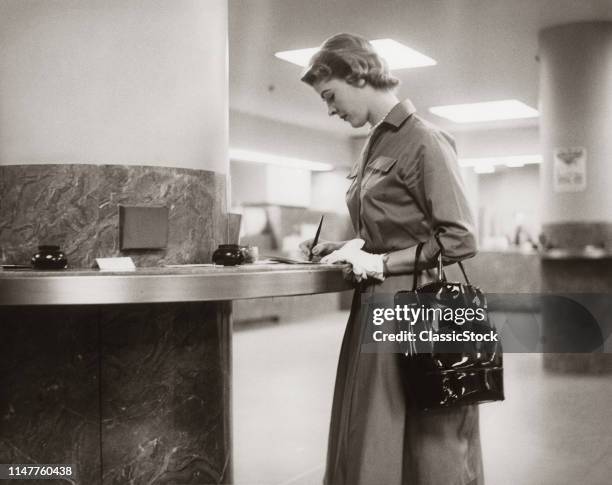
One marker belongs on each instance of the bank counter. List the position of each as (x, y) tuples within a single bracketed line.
[(127, 375)]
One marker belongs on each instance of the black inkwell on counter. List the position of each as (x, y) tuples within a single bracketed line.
[(228, 255), (49, 257)]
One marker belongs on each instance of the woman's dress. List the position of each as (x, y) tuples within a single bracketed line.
[(405, 187)]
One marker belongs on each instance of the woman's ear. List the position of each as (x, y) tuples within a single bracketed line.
[(361, 83)]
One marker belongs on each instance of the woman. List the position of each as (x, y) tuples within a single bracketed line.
[(405, 188)]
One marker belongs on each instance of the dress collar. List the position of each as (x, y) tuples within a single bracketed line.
[(400, 112)]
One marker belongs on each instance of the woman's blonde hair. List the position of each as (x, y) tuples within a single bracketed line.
[(351, 58)]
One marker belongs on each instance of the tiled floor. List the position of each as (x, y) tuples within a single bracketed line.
[(551, 430)]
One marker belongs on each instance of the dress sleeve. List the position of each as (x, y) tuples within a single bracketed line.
[(445, 200)]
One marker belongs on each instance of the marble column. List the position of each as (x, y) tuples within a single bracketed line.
[(576, 115)]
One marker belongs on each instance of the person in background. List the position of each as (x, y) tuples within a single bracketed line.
[(405, 189)]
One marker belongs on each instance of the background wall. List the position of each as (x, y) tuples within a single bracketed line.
[(272, 184), (268, 136), (269, 184), (329, 191), (505, 142), (109, 81), (508, 198)]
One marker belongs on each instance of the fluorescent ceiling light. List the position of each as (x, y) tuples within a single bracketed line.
[(297, 56), (397, 55), (514, 161), (400, 56), (484, 169), (507, 109), (241, 155)]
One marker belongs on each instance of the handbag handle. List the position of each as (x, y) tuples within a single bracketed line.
[(437, 236), (441, 275), (415, 273)]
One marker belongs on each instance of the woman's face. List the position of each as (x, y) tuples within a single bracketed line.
[(345, 100)]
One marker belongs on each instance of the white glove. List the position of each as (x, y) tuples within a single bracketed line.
[(364, 264)]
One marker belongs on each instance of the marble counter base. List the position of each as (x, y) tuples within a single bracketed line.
[(127, 393), (49, 388), (578, 276), (578, 234)]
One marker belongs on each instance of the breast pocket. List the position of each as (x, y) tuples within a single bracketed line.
[(377, 172), (353, 172)]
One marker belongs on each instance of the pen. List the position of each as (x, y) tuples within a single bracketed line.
[(315, 241)]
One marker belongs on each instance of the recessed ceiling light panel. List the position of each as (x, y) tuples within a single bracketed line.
[(397, 55), (507, 109)]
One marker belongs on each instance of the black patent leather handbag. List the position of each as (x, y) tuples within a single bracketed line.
[(439, 372)]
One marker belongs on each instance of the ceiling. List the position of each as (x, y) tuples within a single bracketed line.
[(486, 50)]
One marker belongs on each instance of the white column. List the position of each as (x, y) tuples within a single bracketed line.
[(576, 125), (114, 82)]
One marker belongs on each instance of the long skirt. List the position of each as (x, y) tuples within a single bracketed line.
[(376, 435)]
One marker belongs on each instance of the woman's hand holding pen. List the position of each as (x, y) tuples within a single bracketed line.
[(323, 248)]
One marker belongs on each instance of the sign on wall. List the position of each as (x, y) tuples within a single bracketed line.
[(569, 169)]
